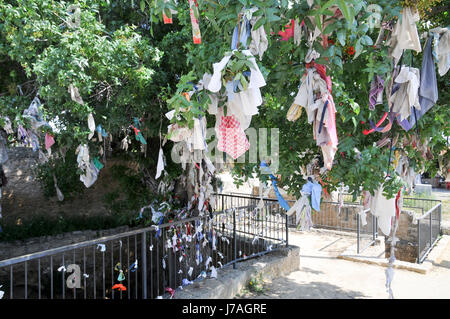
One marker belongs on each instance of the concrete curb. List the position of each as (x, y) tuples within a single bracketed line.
[(434, 257), (230, 282)]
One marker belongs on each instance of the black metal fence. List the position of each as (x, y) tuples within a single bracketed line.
[(146, 263), (331, 216), (347, 217)]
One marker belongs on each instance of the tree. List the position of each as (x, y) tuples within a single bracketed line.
[(127, 65), (351, 60)]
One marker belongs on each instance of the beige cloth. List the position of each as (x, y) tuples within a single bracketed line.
[(259, 42), (407, 95), (311, 82), (405, 35), (443, 49)]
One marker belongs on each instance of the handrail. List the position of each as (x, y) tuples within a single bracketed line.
[(54, 251), (430, 211)]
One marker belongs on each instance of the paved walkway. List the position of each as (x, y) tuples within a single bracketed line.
[(323, 276)]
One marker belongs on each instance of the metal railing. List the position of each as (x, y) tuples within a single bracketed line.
[(348, 218), (428, 231), (145, 263), (330, 216), (366, 234)]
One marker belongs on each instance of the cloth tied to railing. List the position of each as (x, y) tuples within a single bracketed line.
[(280, 198), (303, 212)]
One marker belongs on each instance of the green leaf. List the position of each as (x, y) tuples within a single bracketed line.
[(318, 23), (328, 4), (337, 60), (330, 28), (259, 23), (142, 4), (358, 48), (346, 11), (341, 34), (366, 40)]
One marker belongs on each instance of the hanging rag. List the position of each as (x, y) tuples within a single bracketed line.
[(101, 132), (384, 209), (97, 163), (298, 31), (302, 204), (243, 104), (137, 132), (294, 112), (428, 91), (265, 169), (441, 50), (315, 191), (406, 93), (87, 166), (311, 82), (324, 128), (198, 134), (168, 19), (74, 94), (240, 34), (91, 125), (259, 43), (34, 115), (232, 139), (196, 35), (160, 165), (49, 141), (320, 69), (405, 35), (59, 194), (376, 92)]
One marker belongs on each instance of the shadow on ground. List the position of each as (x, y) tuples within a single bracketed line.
[(286, 288)]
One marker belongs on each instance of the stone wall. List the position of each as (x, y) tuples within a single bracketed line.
[(23, 197), (32, 245), (406, 247)]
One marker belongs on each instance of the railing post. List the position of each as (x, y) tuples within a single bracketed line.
[(357, 235), (418, 241), (234, 239), (144, 264), (431, 228), (287, 230)]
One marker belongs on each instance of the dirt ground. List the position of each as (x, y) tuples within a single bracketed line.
[(323, 276)]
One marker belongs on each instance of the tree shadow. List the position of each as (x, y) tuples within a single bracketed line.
[(444, 264), (312, 271), (286, 288)]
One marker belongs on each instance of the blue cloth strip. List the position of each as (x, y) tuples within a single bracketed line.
[(280, 198)]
